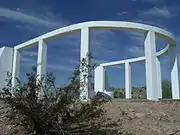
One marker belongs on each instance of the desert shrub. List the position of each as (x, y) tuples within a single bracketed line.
[(139, 93), (119, 93), (58, 111)]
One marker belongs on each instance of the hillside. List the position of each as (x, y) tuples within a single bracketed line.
[(146, 117), (131, 117)]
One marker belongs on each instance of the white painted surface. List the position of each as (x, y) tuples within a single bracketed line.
[(174, 73), (6, 58), (128, 86), (41, 59), (99, 79), (16, 67), (41, 64), (160, 53), (159, 78), (99, 25), (151, 66), (1, 50), (84, 52), (110, 93)]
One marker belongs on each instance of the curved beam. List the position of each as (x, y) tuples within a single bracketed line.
[(161, 52), (117, 25)]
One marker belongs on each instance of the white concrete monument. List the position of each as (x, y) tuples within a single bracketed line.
[(10, 57)]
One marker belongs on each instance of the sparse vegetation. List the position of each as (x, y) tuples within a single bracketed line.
[(140, 93), (119, 93), (59, 111), (137, 93)]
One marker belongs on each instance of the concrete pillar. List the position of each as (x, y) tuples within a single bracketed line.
[(128, 87), (6, 64), (84, 52), (41, 62), (174, 73), (99, 79), (151, 66), (159, 79), (42, 58), (16, 67)]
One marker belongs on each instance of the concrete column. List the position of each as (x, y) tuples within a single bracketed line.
[(128, 87), (6, 64), (159, 79), (41, 62), (16, 67), (42, 59), (151, 66), (174, 73), (84, 51), (99, 79)]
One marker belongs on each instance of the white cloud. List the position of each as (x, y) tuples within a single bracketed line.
[(26, 27), (34, 22), (162, 12), (29, 62), (29, 53), (33, 19), (68, 41), (103, 41), (136, 37), (157, 23), (122, 13), (73, 61), (27, 59), (136, 50)]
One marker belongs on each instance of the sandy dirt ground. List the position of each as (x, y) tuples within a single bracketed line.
[(146, 117), (135, 117)]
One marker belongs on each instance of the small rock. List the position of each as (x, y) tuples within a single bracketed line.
[(139, 115)]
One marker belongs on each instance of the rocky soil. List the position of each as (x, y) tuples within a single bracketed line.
[(135, 117), (141, 117)]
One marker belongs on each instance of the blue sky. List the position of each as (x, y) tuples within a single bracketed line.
[(22, 20)]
